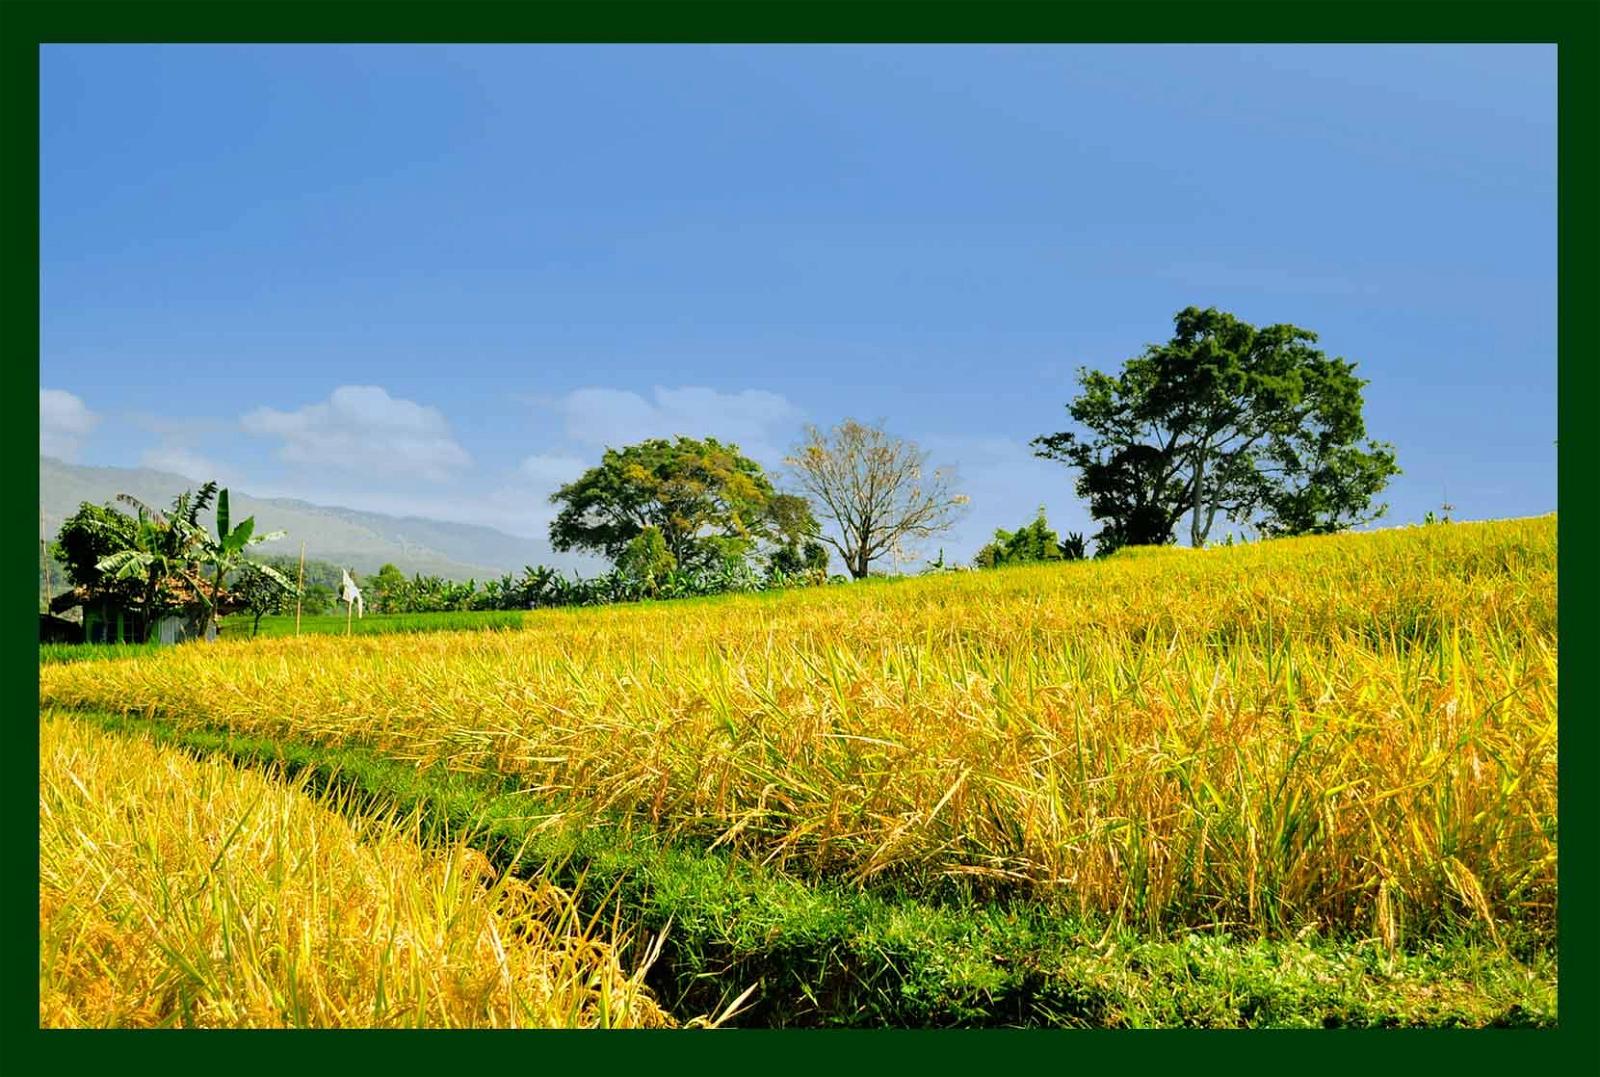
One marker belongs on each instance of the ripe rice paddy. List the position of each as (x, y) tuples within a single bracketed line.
[(1351, 736), (182, 892)]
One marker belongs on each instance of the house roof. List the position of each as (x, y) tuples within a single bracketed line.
[(177, 592), (67, 600)]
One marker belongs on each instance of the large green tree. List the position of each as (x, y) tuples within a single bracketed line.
[(1227, 421), (88, 535), (709, 503)]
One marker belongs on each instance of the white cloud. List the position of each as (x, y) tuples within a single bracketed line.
[(551, 469), (64, 422), (181, 461), (362, 429), (761, 423)]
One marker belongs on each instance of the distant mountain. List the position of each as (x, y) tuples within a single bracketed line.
[(360, 541)]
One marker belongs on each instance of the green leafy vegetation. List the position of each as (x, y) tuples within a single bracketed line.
[(1029, 544), (1223, 421), (155, 563), (706, 503), (378, 624)]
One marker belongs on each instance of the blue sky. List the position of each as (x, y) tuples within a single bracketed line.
[(438, 280)]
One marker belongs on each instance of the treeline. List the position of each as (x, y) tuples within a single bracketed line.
[(536, 587), (1224, 424), (541, 587)]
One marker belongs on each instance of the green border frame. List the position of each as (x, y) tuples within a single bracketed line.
[(1573, 25)]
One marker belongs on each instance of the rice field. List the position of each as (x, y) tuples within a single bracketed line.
[(1352, 735), (177, 892), (335, 624)]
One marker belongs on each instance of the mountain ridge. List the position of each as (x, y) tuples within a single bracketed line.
[(357, 539)]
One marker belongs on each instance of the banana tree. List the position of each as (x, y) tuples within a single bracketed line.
[(165, 547), (225, 553), (175, 546), (538, 586)]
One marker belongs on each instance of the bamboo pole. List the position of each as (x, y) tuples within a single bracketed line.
[(44, 562), (300, 587)]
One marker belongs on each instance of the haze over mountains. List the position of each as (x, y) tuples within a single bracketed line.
[(360, 541)]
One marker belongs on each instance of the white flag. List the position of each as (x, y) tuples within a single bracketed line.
[(349, 592)]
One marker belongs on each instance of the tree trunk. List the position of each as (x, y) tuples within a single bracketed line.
[(1197, 535), (211, 608), (148, 614)]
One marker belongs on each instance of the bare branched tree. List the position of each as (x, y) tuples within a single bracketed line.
[(876, 488)]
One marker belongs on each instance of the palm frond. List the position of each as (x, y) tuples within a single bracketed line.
[(144, 510), (201, 500), (126, 564), (272, 574)]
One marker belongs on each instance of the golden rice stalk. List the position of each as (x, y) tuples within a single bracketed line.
[(1271, 734), (177, 892)]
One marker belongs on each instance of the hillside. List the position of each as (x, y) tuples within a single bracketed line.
[(362, 541)]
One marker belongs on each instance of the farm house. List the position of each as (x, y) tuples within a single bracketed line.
[(110, 618)]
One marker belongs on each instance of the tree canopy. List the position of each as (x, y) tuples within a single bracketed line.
[(876, 488), (1033, 541), (260, 590), (1224, 420), (89, 535), (386, 590), (708, 502)]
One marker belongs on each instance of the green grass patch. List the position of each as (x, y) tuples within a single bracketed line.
[(823, 953), (380, 623), (238, 627)]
